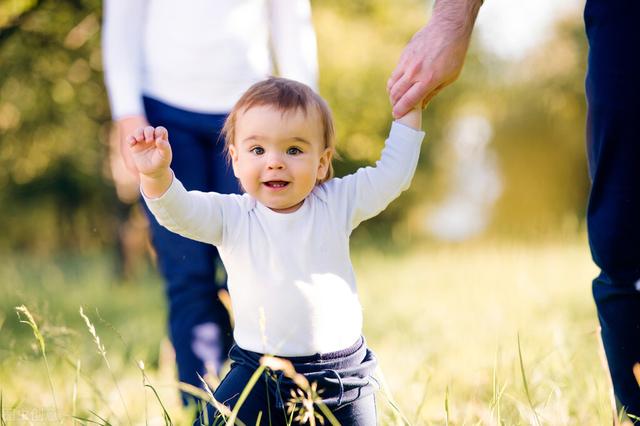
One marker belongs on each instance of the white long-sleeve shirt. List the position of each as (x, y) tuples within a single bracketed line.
[(201, 55), (290, 278)]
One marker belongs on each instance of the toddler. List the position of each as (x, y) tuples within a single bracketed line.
[(285, 243)]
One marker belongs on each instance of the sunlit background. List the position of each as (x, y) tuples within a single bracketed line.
[(504, 152), (502, 184)]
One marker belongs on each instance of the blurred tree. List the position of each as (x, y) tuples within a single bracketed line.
[(53, 116), (540, 137)]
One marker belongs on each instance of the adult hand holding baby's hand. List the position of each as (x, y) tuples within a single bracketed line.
[(151, 150)]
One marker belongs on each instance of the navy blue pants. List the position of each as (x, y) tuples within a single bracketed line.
[(613, 216), (345, 379), (199, 325)]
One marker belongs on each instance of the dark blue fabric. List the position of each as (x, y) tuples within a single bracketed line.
[(345, 379), (189, 267), (613, 215)]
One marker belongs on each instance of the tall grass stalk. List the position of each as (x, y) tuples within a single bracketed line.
[(74, 396), (208, 397), (43, 349), (446, 406), (103, 353), (497, 393), (211, 397), (618, 419), (524, 381), (384, 387), (605, 367), (2, 422), (423, 400), (86, 421), (105, 422), (145, 382), (244, 394), (88, 382), (307, 394), (144, 390)]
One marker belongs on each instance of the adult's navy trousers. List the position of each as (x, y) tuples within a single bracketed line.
[(613, 214)]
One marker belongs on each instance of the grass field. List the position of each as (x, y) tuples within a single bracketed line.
[(481, 333)]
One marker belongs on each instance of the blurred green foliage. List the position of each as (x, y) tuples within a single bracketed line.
[(53, 120), (55, 189)]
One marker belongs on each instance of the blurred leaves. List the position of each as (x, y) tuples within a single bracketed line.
[(53, 121)]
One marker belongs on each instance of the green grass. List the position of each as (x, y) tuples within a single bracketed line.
[(483, 333)]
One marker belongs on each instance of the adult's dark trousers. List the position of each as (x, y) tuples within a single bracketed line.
[(344, 381), (613, 215), (199, 325)]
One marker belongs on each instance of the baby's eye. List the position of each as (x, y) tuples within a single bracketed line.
[(294, 151), (258, 150)]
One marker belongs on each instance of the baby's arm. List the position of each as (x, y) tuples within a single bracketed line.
[(151, 154), (192, 214), (412, 119), (370, 189)]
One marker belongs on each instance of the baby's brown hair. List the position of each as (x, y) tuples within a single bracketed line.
[(285, 95)]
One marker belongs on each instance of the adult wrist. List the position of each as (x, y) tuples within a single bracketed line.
[(458, 14)]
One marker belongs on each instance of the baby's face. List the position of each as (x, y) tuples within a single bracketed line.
[(278, 157)]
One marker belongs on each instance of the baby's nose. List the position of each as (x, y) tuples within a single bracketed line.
[(275, 161)]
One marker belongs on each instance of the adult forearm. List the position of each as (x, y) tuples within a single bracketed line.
[(458, 16)]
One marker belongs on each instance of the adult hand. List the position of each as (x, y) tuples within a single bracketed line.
[(434, 57), (127, 126)]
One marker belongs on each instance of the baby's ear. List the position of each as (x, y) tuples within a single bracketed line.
[(233, 155), (323, 165)]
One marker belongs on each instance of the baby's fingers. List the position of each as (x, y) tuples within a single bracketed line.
[(164, 148), (148, 134), (139, 134), (161, 133)]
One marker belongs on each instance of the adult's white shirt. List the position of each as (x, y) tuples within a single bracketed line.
[(201, 55)]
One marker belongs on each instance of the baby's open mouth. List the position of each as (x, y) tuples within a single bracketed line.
[(276, 183)]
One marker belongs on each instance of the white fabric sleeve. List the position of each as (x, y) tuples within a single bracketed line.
[(294, 40), (370, 190), (122, 33), (196, 215)]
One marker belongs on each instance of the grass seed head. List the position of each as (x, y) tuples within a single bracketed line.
[(92, 330)]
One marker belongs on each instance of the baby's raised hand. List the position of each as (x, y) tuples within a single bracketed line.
[(150, 150)]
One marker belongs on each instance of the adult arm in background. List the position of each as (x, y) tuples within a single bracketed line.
[(122, 32), (434, 57), (294, 40)]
